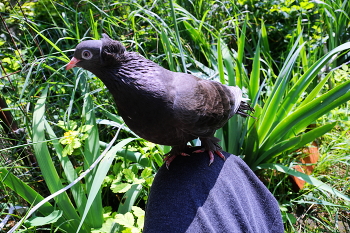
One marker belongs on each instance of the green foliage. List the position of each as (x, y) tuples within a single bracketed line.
[(288, 56), (73, 138)]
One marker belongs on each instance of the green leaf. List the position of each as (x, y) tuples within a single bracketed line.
[(292, 144), (308, 113), (272, 105), (101, 172), (40, 221), (240, 53), (91, 152), (149, 181), (107, 227), (117, 168), (220, 62), (307, 178), (85, 128), (76, 143), (254, 80), (49, 42), (67, 150), (304, 81), (177, 34), (71, 125), (126, 219), (69, 170), (85, 136), (138, 212), (130, 198), (140, 222), (46, 165), (25, 191), (167, 49), (129, 175), (120, 187), (147, 172)]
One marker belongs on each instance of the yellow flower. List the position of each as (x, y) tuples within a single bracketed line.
[(69, 137)]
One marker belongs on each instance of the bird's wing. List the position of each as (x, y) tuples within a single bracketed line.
[(201, 106)]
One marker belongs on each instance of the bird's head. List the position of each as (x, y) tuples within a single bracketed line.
[(92, 54)]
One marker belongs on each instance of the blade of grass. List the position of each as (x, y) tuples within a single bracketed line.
[(269, 118), (91, 151), (25, 191), (309, 179), (50, 42), (292, 144), (240, 54), (101, 173), (69, 171), (177, 34), (220, 62), (167, 49), (303, 82), (304, 60), (46, 165), (254, 81), (305, 115)]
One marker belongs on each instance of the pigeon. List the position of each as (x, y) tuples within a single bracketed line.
[(161, 106)]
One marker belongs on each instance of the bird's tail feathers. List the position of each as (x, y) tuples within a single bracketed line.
[(237, 97), (241, 105)]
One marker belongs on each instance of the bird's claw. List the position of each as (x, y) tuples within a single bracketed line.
[(211, 155), (169, 158)]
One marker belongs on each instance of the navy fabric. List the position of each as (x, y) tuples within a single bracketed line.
[(224, 197)]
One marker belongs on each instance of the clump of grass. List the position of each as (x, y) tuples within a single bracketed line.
[(234, 43)]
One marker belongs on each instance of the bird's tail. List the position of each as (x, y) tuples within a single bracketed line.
[(241, 105)]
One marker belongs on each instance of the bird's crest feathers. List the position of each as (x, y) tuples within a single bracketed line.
[(111, 49)]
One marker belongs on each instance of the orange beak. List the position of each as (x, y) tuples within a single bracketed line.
[(72, 63)]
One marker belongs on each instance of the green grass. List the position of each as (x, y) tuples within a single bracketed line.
[(282, 53)]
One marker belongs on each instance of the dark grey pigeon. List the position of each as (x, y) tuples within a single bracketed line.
[(159, 105)]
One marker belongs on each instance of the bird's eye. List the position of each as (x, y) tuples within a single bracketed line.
[(86, 54)]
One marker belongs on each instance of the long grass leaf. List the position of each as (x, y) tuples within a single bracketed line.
[(50, 42), (304, 81), (254, 80), (313, 94), (46, 165), (220, 62), (309, 113), (177, 33), (91, 151), (269, 118), (240, 54), (307, 178), (292, 144), (100, 174), (69, 171), (304, 60), (167, 49), (25, 191)]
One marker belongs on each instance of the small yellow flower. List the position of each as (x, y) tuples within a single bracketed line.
[(69, 137)]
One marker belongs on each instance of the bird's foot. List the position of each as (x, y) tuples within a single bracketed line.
[(169, 157), (211, 154)]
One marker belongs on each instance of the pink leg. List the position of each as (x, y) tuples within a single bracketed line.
[(168, 159), (211, 155), (220, 154)]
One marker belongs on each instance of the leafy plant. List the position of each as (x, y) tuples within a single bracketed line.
[(73, 138), (286, 55)]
